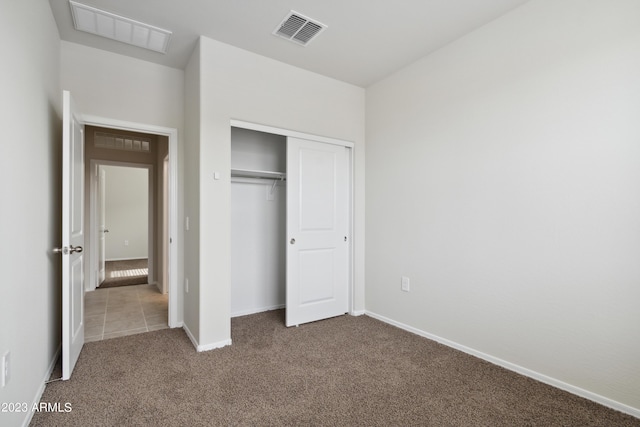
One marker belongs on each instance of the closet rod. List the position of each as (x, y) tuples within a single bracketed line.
[(246, 173)]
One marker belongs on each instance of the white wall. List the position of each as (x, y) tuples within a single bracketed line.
[(118, 87), (193, 119), (126, 212), (236, 84), (507, 188), (258, 253), (30, 222), (255, 150), (258, 224)]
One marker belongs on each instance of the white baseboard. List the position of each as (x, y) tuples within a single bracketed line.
[(214, 345), (206, 347), (125, 259), (257, 310), (635, 412), (43, 385), (358, 312)]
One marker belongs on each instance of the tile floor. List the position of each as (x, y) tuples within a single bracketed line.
[(125, 310)]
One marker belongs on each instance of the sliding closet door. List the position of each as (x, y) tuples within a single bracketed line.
[(317, 230)]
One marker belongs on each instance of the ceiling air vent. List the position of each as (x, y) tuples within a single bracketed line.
[(120, 28), (298, 28)]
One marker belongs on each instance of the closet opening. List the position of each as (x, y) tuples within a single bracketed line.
[(258, 221), (291, 222)]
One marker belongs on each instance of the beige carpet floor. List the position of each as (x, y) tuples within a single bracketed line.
[(346, 371)]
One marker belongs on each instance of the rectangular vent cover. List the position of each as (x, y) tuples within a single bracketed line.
[(116, 27), (298, 28)]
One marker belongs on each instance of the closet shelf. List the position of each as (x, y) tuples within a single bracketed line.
[(247, 173)]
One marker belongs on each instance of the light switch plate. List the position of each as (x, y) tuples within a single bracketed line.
[(405, 284)]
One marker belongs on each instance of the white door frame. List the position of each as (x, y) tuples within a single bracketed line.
[(349, 145), (172, 135), (165, 224), (97, 205), (93, 218)]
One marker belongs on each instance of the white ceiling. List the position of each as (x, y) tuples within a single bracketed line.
[(366, 40)]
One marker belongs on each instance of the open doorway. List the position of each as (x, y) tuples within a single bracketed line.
[(124, 223), (127, 273)]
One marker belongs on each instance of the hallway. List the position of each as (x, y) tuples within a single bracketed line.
[(125, 310)]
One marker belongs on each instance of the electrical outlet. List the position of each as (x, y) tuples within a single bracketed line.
[(5, 369), (186, 286), (405, 284)]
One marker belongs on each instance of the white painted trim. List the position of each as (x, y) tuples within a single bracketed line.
[(358, 313), (105, 122), (172, 134), (290, 133), (43, 385), (635, 412), (214, 345), (351, 224), (165, 225), (174, 284), (200, 348), (92, 283), (257, 310)]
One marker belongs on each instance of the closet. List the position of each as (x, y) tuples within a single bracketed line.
[(258, 221), (290, 226)]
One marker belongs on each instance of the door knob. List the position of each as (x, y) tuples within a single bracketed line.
[(292, 241), (68, 250)]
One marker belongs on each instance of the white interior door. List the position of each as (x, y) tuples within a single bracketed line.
[(72, 236), (102, 228), (317, 231)]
